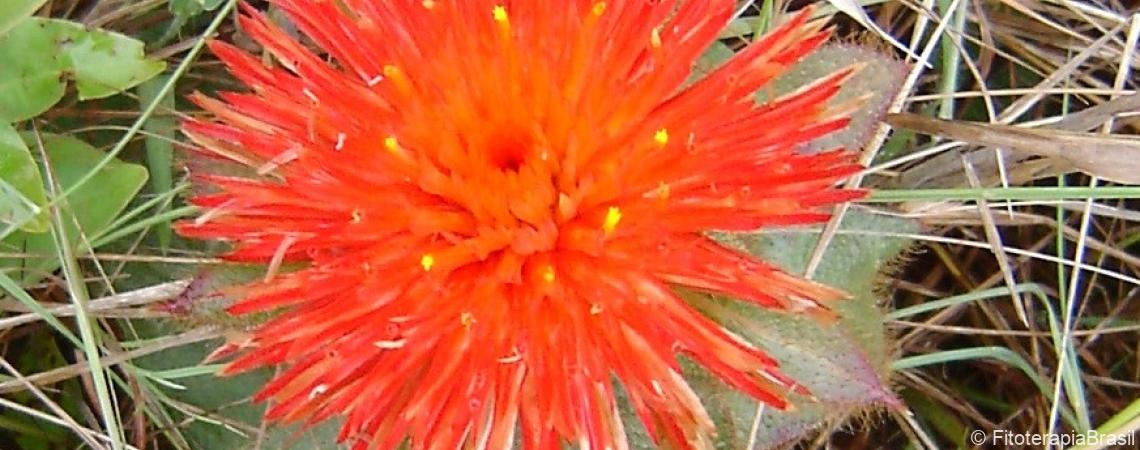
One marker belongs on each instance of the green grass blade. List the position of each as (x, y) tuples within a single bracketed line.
[(1002, 354), (160, 152)]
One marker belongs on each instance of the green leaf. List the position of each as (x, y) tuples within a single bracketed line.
[(845, 365), (105, 63), (31, 77), (878, 81), (93, 207), (718, 53), (184, 12), (227, 400), (191, 8), (736, 29), (231, 419), (13, 11), (40, 54), (21, 188)]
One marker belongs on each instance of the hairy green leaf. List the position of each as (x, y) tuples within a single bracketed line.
[(845, 365), (878, 80)]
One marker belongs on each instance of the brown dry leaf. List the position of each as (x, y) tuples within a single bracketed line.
[(1111, 157)]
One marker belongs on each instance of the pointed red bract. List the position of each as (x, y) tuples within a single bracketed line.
[(494, 203)]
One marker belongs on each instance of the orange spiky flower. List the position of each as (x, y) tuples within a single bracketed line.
[(495, 201)]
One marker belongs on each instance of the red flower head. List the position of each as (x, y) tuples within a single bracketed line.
[(494, 202)]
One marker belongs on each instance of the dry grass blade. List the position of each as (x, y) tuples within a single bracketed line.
[(1096, 116), (123, 300), (67, 372), (1113, 158), (88, 436), (994, 237)]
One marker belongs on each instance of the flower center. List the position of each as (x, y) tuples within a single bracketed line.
[(508, 150)]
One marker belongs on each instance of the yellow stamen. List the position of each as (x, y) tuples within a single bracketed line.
[(661, 136), (613, 216), (499, 12), (428, 4), (655, 38), (391, 71), (466, 319), (392, 144), (599, 8), (427, 261), (397, 77), (548, 274), (357, 216), (663, 191)]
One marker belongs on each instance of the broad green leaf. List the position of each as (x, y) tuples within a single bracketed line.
[(92, 208), (41, 54), (105, 63), (845, 365), (13, 11), (21, 188), (31, 77)]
